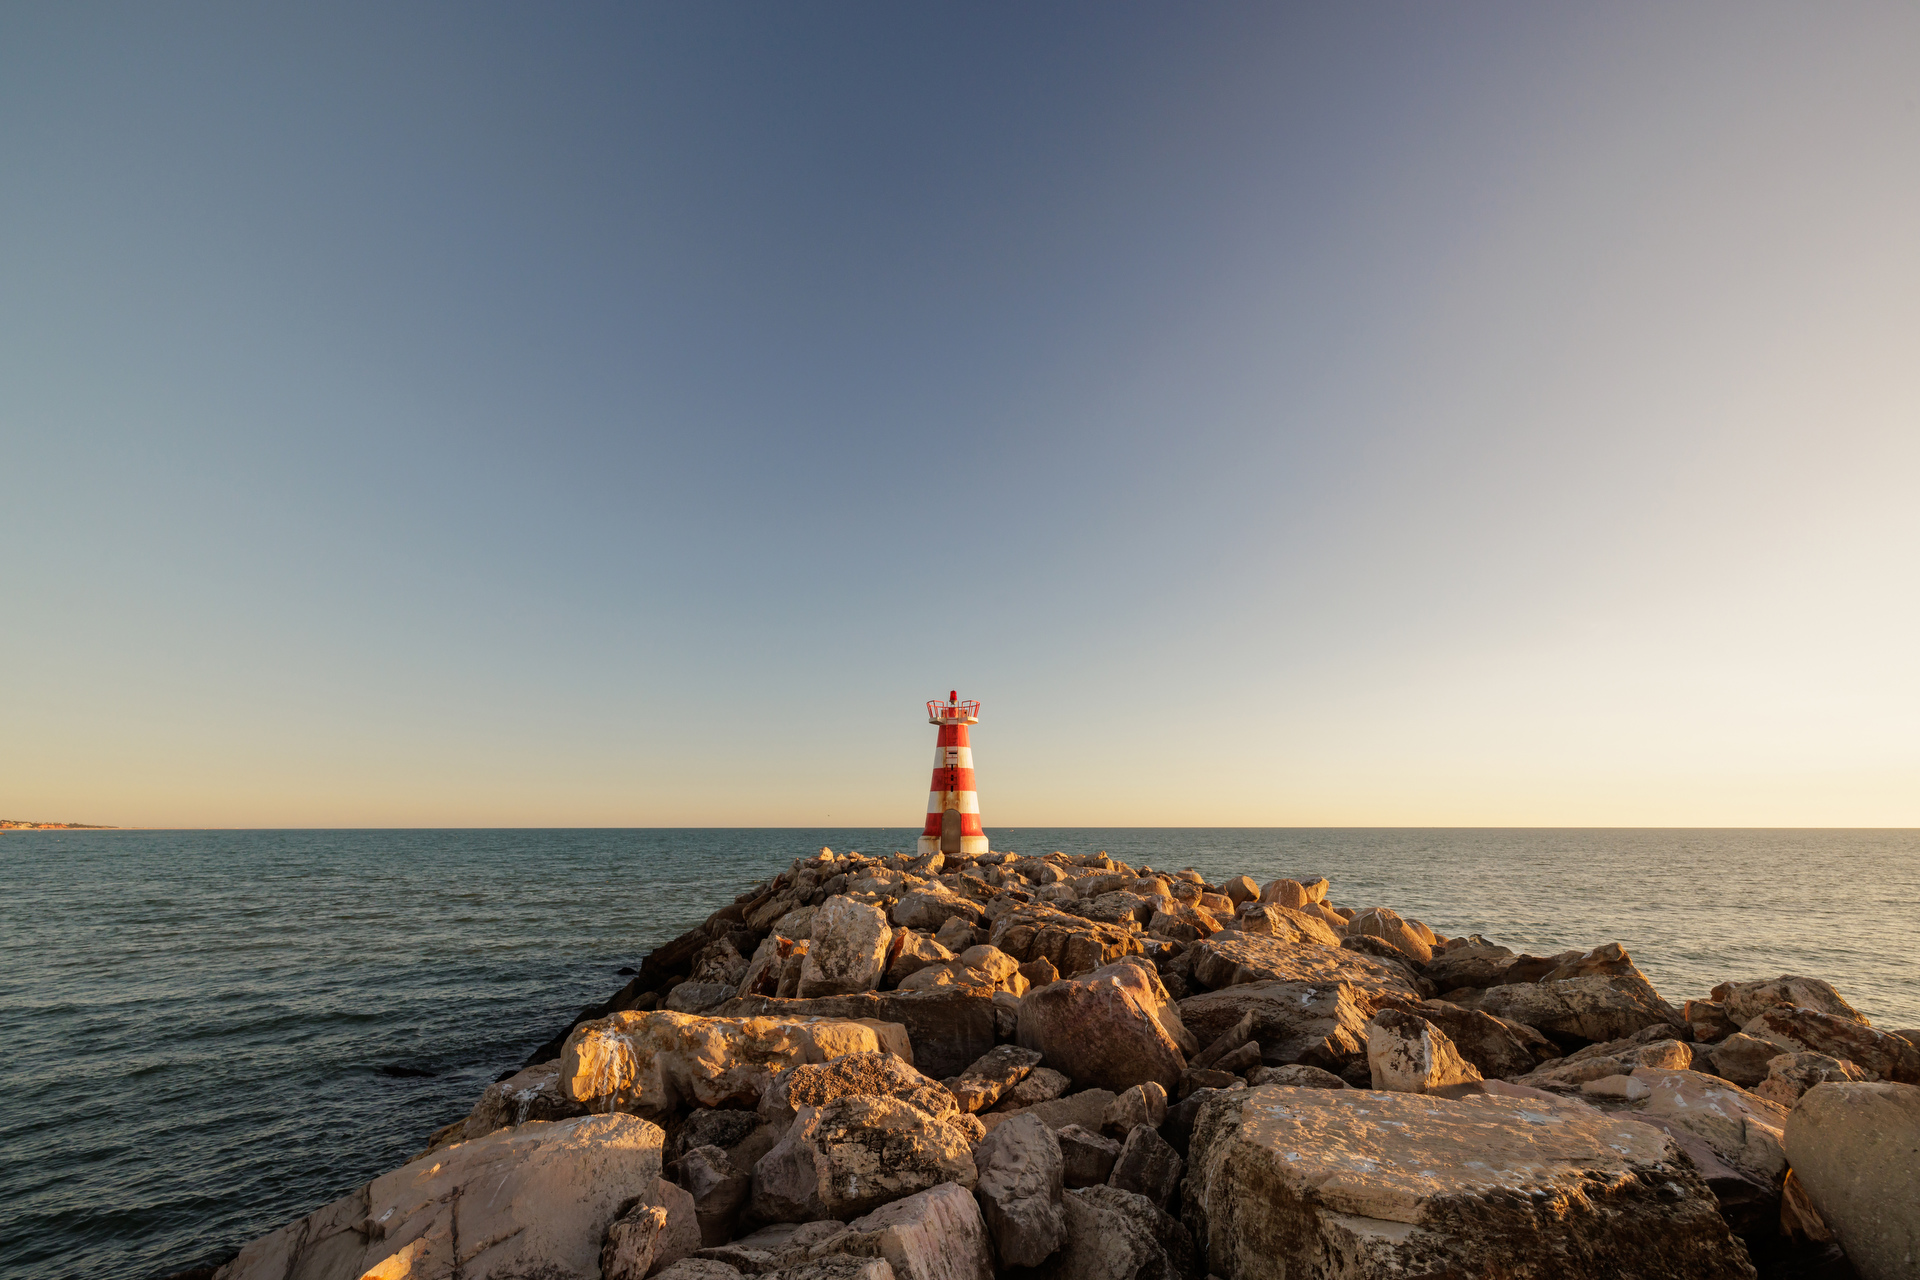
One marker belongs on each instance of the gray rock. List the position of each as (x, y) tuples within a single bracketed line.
[(1020, 1188), (1855, 1149), (719, 1191), (1148, 1166), (1143, 1104), (1792, 1074), (1295, 1075), (1408, 1054), (1085, 1109), (1745, 1001), (1088, 1156), (1116, 1235), (849, 948), (937, 1234), (1114, 1027), (991, 1075), (1743, 1058), (1043, 1084), (853, 1155)]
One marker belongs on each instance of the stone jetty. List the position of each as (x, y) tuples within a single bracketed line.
[(1067, 1068)]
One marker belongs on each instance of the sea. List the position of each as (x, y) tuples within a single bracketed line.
[(209, 1033)]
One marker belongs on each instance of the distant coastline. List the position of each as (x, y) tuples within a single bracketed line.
[(11, 824)]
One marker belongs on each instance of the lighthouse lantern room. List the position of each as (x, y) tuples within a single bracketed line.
[(953, 806)]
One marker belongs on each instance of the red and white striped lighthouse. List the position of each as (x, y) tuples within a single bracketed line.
[(953, 807)]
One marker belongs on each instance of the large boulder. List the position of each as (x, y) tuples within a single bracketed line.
[(948, 1027), (910, 953), (656, 1062), (1744, 1059), (1021, 1183), (1615, 1058), (936, 1234), (1359, 1185), (1385, 924), (1855, 1149), (1112, 1028), (1745, 1001), (1085, 1108), (992, 1076), (1322, 1024), (1117, 1235), (855, 1154), (1229, 959), (1585, 1008), (1408, 1054), (1074, 944), (536, 1199), (862, 1075), (1148, 1166), (1794, 1029), (651, 1235), (1088, 1156), (1498, 1050), (1792, 1074), (849, 948), (532, 1094)]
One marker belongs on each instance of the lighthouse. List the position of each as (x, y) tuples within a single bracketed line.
[(953, 807)]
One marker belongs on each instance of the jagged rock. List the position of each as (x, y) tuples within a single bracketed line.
[(1408, 1054), (1732, 1137), (989, 1077), (777, 1246), (1143, 1104), (1856, 1150), (936, 1234), (1792, 1074), (1182, 921), (1296, 1076), (1039, 973), (698, 997), (849, 951), (1743, 1059), (1498, 1050), (1709, 1021), (538, 1197), (1795, 1029), (1366, 1185), (1245, 1058), (1084, 1109), (978, 966), (1320, 1024), (948, 1027), (1596, 1062), (1386, 925), (1745, 1001), (1590, 1007), (654, 1063), (1227, 960), (1019, 1191), (1268, 919), (959, 932), (719, 962), (698, 1269), (1241, 889), (719, 1189), (837, 1267), (1043, 1084), (1202, 1078), (731, 1131), (1116, 1235), (1147, 1166), (1466, 963), (913, 952), (1114, 1027), (853, 1075), (1072, 944), (1235, 1037), (532, 1094), (769, 962), (855, 1154), (650, 1235), (1088, 1157)]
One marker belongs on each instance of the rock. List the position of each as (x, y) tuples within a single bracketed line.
[(1855, 1148), (1113, 1028), (990, 1076), (1143, 1104), (1709, 1021), (848, 951), (1285, 893), (912, 953), (536, 1198), (1039, 973), (719, 1189), (729, 1130), (855, 1154), (1085, 1109), (948, 1027), (1793, 1029), (1295, 927), (1072, 944), (835, 1266), (1147, 1166), (933, 906), (1596, 1062), (936, 1234), (1043, 1084), (1386, 925), (1241, 889), (1203, 1078), (1182, 922), (1235, 1037), (1021, 1171), (698, 1269), (1591, 1007), (1497, 1050), (853, 1075), (1792, 1074), (1116, 1235), (762, 977), (981, 966), (654, 1063), (651, 1235), (1227, 960), (1320, 1024), (959, 932), (532, 1094), (698, 997), (1296, 1076), (1408, 1054), (1088, 1156), (1745, 1001), (1245, 1058), (1743, 1059), (772, 1248), (1470, 963), (719, 963), (1359, 1185), (1732, 1137)]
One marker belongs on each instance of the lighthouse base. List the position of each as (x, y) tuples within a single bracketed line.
[(968, 845)]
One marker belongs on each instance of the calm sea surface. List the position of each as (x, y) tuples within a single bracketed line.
[(209, 1033)]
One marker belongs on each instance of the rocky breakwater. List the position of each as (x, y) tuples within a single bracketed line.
[(1066, 1068)]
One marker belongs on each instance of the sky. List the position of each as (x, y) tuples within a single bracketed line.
[(630, 415)]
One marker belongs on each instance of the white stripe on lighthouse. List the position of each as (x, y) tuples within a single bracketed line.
[(969, 801)]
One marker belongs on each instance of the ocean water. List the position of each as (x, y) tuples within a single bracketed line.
[(210, 1033)]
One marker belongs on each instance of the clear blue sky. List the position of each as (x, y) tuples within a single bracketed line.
[(1359, 414)]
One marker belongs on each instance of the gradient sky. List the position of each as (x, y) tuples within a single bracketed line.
[(1339, 414)]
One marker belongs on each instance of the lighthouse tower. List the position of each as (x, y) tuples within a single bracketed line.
[(953, 807)]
